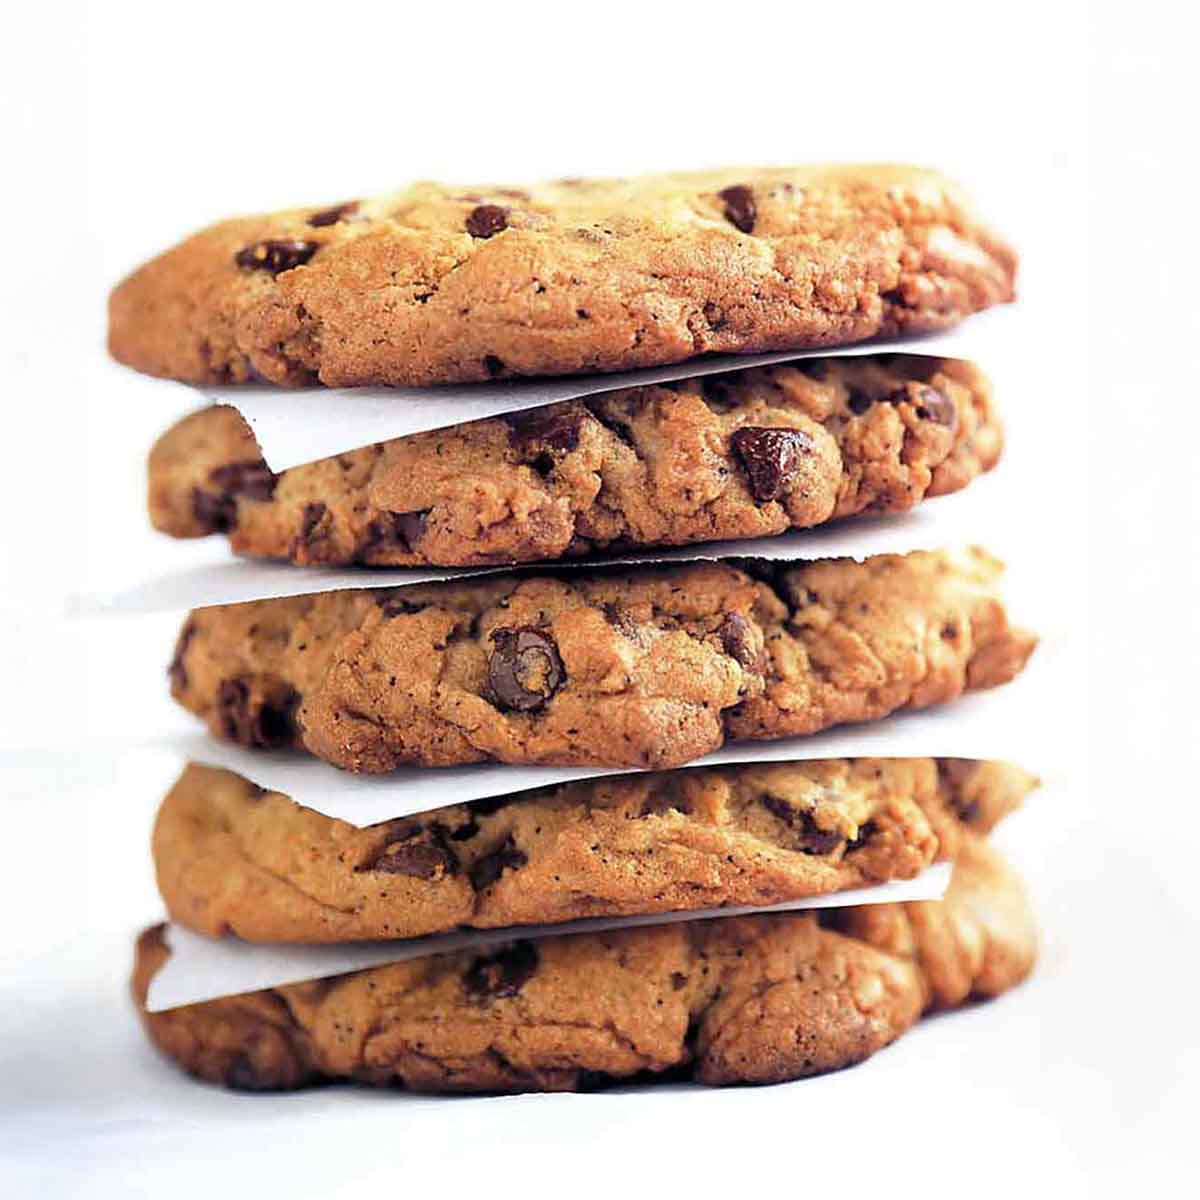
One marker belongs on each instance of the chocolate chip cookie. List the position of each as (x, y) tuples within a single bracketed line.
[(757, 999), (624, 667), (232, 858), (438, 284), (743, 455)]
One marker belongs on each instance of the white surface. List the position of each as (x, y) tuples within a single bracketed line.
[(131, 129), (201, 968), (302, 425)]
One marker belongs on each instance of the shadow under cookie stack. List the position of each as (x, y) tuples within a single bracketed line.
[(506, 827)]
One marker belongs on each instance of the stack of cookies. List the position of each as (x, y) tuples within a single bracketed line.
[(569, 727)]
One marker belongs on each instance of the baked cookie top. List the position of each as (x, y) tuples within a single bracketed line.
[(755, 999), (624, 667), (232, 858), (440, 284), (742, 455)]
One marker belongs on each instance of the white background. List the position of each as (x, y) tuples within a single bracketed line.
[(1073, 124)]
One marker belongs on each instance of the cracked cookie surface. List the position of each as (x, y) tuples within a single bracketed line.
[(757, 999), (743, 455), (438, 284), (232, 858), (643, 667)]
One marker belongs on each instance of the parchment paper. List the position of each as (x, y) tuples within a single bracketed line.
[(203, 968), (299, 425), (995, 724)]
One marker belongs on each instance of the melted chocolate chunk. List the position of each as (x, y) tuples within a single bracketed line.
[(865, 833), (396, 606), (396, 529), (858, 402), (736, 634), (264, 722), (242, 1075), (254, 480), (426, 857), (216, 513), (740, 209), (176, 672), (896, 297), (770, 458), (485, 806), (275, 255), (610, 421), (502, 974), (955, 774), (485, 871), (331, 216), (812, 839), (524, 669), (493, 366), (936, 406), (553, 428), (487, 220), (310, 519)]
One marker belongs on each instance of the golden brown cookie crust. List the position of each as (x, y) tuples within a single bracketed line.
[(438, 284), (744, 455), (630, 667), (757, 999), (232, 858)]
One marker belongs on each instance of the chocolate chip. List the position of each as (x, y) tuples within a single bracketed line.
[(955, 774), (936, 406), (485, 806), (678, 980), (895, 297), (265, 722), (524, 669), (717, 389), (275, 255), (501, 974), (493, 366), (740, 209), (310, 518), (610, 421), (331, 216), (421, 859), (554, 429), (659, 803), (254, 480), (485, 871), (487, 220), (736, 634), (858, 402), (244, 1076), (812, 838), (395, 529), (176, 672), (394, 605), (770, 458), (865, 833), (216, 513), (620, 619)]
